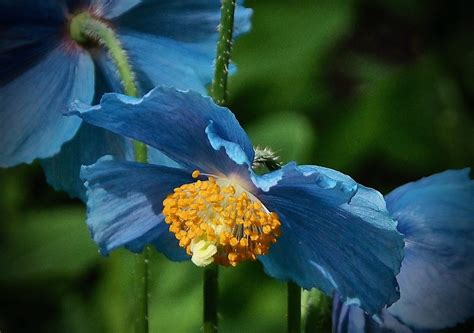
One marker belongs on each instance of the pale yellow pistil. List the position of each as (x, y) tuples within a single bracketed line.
[(218, 221)]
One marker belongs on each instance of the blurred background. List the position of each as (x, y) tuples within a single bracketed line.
[(378, 89)]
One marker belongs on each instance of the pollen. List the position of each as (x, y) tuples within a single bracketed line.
[(218, 221)]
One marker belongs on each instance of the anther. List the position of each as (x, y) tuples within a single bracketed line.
[(219, 222)]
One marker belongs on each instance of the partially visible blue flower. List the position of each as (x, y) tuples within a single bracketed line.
[(436, 215), (42, 70), (328, 231)]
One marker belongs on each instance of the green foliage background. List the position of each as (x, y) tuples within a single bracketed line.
[(380, 90)]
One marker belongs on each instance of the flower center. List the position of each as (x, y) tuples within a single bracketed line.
[(218, 221)]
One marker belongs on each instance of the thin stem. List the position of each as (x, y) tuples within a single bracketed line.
[(142, 279), (140, 152), (219, 94), (224, 50), (85, 28), (294, 308), (211, 294)]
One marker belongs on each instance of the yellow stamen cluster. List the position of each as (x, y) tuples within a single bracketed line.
[(219, 220)]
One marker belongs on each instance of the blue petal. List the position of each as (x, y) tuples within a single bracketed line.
[(173, 43), (333, 237), (157, 157), (125, 200), (31, 123), (163, 240), (331, 179), (89, 144), (112, 8), (193, 21), (50, 12), (22, 47), (436, 214), (106, 75), (352, 319), (175, 123), (216, 135), (29, 31), (160, 61), (32, 12), (167, 244), (346, 318)]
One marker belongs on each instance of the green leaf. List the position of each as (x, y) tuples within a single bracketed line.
[(50, 244), (412, 118), (175, 289), (278, 60)]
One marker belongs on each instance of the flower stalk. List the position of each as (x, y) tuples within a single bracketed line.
[(219, 94), (224, 50), (211, 291), (294, 308), (85, 28), (142, 293)]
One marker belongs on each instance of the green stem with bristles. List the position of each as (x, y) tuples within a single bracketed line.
[(219, 94), (142, 272), (85, 28), (224, 50)]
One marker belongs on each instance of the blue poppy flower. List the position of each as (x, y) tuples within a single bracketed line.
[(436, 215), (42, 70), (309, 224)]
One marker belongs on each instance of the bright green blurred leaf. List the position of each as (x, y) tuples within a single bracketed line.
[(175, 294), (288, 44), (412, 117), (289, 134), (50, 244)]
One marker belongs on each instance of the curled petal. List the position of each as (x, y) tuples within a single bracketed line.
[(175, 123), (334, 237)]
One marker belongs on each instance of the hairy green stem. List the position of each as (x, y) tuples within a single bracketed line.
[(86, 29), (294, 308), (219, 94), (142, 279), (224, 50)]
